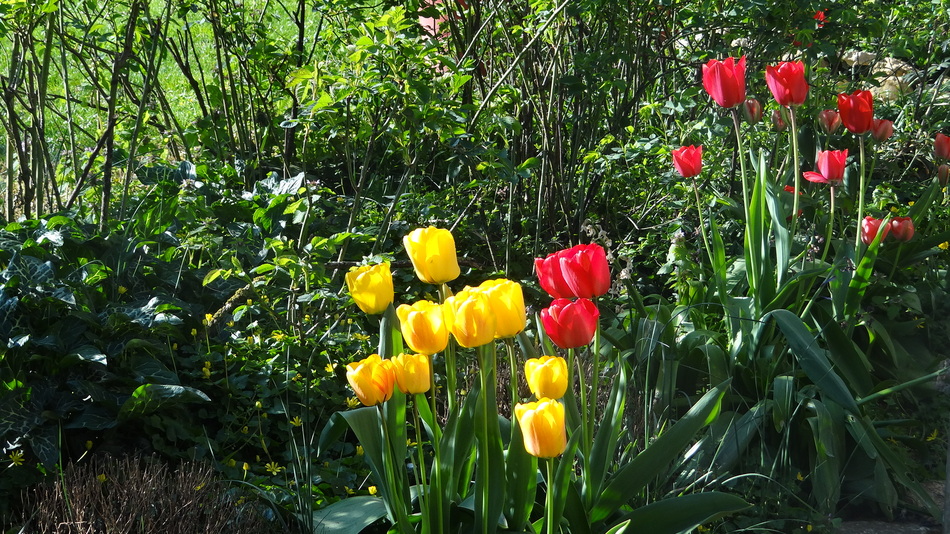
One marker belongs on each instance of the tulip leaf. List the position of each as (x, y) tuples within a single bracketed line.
[(562, 476), (521, 478), (608, 434), (628, 481), (684, 513), (349, 516), (813, 359)]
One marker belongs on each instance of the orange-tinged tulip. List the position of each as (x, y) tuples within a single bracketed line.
[(371, 287), (432, 251), (372, 379), (546, 376), (413, 373), (542, 425), (470, 318), (423, 326), (507, 303)]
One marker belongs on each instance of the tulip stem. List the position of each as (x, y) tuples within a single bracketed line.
[(449, 354), (860, 214), (549, 498), (513, 379), (393, 478), (421, 465), (436, 438), (594, 386), (741, 158), (796, 169)]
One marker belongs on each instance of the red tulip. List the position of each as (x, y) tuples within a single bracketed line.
[(585, 270), (787, 82), (790, 189), (882, 130), (942, 146), (870, 227), (943, 174), (830, 165), (570, 324), (902, 228), (821, 17), (830, 121), (549, 275), (778, 121), (857, 111), (688, 160), (752, 111), (725, 81)]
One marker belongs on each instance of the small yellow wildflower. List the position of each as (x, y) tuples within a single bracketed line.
[(250, 302), (352, 402), (911, 203), (359, 450), (16, 458), (372, 490), (123, 290), (246, 466), (88, 445), (932, 436), (945, 245), (893, 209), (258, 405), (799, 476), (274, 468), (348, 490), (278, 336), (296, 421), (194, 331), (230, 324), (174, 346), (101, 478), (244, 429), (808, 528), (232, 462), (330, 367), (360, 336), (264, 415), (207, 372), (207, 320)]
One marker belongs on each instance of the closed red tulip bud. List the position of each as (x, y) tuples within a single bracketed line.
[(831, 164), (870, 227), (725, 81), (570, 324), (902, 228), (882, 130), (752, 111), (830, 121), (857, 111), (943, 174), (787, 82), (778, 121), (688, 160), (942, 146)]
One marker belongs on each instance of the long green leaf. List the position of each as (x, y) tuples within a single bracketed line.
[(630, 479), (683, 514), (608, 434), (349, 516)]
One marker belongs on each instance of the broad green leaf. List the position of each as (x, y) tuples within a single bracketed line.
[(149, 398), (683, 514), (349, 516)]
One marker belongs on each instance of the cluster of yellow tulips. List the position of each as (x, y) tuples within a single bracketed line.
[(475, 316)]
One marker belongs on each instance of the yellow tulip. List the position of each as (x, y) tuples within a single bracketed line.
[(507, 303), (432, 251), (542, 425), (413, 373), (470, 318), (546, 376), (371, 286), (372, 379), (423, 327)]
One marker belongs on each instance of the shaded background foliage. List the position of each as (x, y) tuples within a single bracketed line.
[(185, 181)]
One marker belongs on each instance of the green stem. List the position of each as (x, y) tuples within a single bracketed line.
[(796, 170), (742, 170), (702, 231), (437, 482), (424, 492), (860, 214), (513, 364), (594, 386), (549, 498), (449, 354), (393, 478)]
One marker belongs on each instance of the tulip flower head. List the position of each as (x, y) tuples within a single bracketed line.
[(688, 160), (413, 373), (831, 164), (752, 111), (550, 277), (542, 425), (870, 227), (725, 81), (830, 121), (787, 82), (432, 251), (857, 111), (372, 379), (470, 318), (371, 287), (942, 146), (902, 228), (507, 303), (570, 324), (943, 174), (580, 271), (882, 130), (423, 326), (546, 376)]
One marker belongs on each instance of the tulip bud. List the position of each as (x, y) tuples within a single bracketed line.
[(870, 227), (882, 130), (943, 174), (371, 287), (372, 379), (942, 146), (778, 121), (413, 373), (830, 121), (570, 324), (856, 111), (902, 228), (787, 82), (752, 111), (542, 425), (688, 160), (546, 376), (469, 317), (432, 251), (423, 326)]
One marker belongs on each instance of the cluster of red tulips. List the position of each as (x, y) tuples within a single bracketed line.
[(725, 82), (579, 273)]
